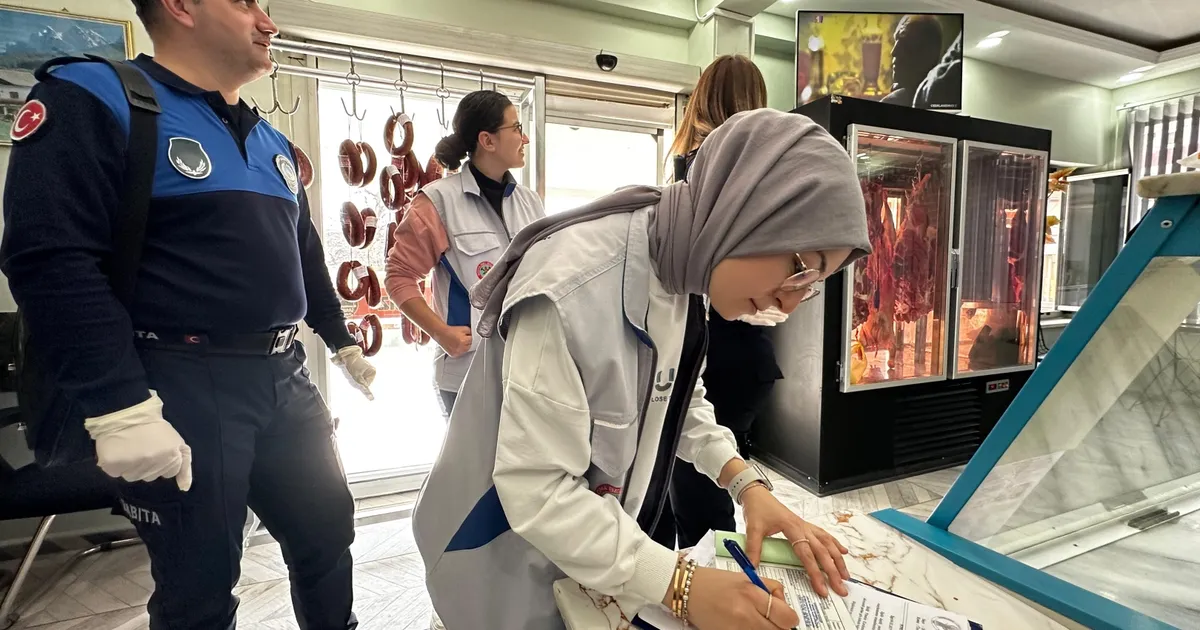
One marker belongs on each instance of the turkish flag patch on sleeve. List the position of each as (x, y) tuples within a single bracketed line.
[(28, 120)]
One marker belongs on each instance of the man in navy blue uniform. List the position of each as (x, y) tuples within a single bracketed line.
[(196, 395)]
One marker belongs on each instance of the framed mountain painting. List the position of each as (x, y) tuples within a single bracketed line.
[(29, 37)]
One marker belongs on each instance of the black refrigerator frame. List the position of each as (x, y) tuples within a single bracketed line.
[(830, 441)]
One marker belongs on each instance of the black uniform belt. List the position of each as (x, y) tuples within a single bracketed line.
[(257, 344)]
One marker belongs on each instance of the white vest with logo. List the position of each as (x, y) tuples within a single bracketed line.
[(477, 238), (480, 573)]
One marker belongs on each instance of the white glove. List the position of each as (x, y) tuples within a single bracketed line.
[(357, 369), (1191, 161), (769, 317), (137, 444)]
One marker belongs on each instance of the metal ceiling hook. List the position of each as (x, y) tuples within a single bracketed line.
[(353, 79)]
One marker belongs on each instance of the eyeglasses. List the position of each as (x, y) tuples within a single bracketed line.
[(803, 278), (517, 126)]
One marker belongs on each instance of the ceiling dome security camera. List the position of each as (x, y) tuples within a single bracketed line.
[(606, 61)]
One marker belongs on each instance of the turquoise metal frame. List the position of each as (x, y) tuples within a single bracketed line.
[(1172, 228)]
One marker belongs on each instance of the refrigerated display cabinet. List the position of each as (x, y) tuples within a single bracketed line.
[(1085, 499), (913, 352)]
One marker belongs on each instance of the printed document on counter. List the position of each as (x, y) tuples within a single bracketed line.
[(866, 607), (874, 609)]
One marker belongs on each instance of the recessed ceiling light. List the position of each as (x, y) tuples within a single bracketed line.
[(998, 34), (1132, 76), (990, 42), (1144, 69)]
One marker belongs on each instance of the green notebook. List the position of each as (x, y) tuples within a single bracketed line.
[(774, 551)]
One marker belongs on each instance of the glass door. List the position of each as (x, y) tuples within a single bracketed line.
[(590, 162), (895, 328), (1093, 232), (999, 245), (401, 431)]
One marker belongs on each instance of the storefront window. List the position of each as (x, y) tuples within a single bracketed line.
[(588, 162)]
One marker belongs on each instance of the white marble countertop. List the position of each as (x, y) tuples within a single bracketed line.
[(885, 558)]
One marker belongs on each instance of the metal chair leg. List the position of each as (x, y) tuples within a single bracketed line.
[(8, 612)]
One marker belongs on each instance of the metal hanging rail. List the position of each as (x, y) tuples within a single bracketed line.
[(365, 80), (398, 62)]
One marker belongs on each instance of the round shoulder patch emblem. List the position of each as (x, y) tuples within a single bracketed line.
[(189, 158), (288, 171), (28, 120), (483, 269)]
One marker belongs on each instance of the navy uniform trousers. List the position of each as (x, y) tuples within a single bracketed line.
[(261, 436)]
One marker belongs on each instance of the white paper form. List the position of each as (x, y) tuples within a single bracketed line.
[(873, 609), (816, 612)]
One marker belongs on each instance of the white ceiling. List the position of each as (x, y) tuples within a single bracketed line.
[(1069, 39), (1156, 24)]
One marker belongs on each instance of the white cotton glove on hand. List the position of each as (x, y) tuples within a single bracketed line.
[(769, 317), (357, 369), (137, 444), (1191, 161)]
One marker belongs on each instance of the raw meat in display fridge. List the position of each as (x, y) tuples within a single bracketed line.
[(898, 299)]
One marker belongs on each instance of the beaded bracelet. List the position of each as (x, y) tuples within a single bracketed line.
[(687, 588)]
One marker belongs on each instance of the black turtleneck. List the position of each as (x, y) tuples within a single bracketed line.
[(491, 189)]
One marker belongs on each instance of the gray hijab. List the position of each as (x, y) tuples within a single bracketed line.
[(765, 182)]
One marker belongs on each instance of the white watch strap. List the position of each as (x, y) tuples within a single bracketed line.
[(743, 480)]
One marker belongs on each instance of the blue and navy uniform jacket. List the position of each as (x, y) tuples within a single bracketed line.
[(229, 249)]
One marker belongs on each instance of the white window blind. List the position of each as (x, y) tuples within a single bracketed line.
[(1160, 135)]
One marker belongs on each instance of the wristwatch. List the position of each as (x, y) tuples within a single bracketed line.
[(752, 476)]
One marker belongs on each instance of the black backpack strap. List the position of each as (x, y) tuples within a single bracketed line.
[(129, 232)]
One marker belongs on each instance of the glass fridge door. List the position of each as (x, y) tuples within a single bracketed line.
[(1000, 236), (897, 299), (1094, 231)]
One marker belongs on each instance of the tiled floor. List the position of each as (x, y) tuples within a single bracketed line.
[(109, 591)]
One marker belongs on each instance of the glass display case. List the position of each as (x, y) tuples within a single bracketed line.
[(1085, 498), (898, 295), (1051, 249), (1003, 206), (1094, 229)]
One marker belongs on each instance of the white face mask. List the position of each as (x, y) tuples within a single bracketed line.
[(769, 317)]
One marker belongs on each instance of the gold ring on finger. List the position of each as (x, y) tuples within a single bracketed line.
[(802, 540), (770, 599)]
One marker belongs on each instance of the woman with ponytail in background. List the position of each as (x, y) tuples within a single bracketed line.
[(741, 369), (458, 227)]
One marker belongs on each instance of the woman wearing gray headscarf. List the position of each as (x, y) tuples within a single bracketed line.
[(586, 387)]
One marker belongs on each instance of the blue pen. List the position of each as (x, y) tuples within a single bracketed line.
[(739, 556)]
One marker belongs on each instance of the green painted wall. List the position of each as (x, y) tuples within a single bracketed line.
[(1079, 115), (779, 71), (1167, 86)]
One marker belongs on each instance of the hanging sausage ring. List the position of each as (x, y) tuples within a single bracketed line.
[(357, 335), (391, 186), (353, 227), (412, 172), (400, 121), (372, 330), (358, 163), (360, 273), (366, 283), (304, 167), (433, 171), (370, 221), (374, 289)]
